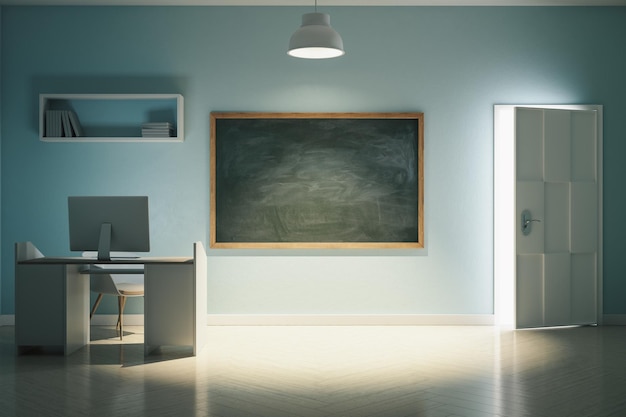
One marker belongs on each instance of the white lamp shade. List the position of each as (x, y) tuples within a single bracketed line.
[(315, 39)]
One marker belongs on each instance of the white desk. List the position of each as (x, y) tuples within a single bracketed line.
[(52, 299)]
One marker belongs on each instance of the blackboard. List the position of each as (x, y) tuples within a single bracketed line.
[(317, 180)]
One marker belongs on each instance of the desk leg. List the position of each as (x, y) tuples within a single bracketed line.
[(51, 307), (76, 309), (200, 273), (169, 306)]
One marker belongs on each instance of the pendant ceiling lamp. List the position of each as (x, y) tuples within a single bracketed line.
[(315, 39)]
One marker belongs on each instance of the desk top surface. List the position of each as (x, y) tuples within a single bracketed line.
[(79, 260)]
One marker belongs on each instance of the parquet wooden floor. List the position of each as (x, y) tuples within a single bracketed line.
[(328, 372)]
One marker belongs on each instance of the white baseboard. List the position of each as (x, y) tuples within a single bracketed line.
[(327, 320), (350, 320), (97, 320), (111, 319), (614, 320), (308, 320)]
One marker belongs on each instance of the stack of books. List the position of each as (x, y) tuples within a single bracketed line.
[(157, 130), (62, 123)]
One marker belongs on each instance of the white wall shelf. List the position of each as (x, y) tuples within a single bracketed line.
[(113, 117)]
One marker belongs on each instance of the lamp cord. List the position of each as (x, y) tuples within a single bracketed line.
[(315, 6)]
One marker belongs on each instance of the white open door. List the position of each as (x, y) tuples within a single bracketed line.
[(548, 194)]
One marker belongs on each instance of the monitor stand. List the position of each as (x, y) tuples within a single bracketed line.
[(104, 244)]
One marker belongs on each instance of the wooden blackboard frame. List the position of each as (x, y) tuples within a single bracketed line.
[(220, 140)]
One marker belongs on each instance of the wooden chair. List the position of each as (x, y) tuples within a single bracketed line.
[(120, 285)]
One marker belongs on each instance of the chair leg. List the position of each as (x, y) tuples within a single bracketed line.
[(121, 302), (95, 305)]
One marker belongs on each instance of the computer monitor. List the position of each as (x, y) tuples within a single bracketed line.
[(109, 223)]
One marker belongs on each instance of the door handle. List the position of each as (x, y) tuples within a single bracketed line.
[(527, 221)]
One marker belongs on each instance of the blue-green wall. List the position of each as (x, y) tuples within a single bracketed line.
[(452, 63)]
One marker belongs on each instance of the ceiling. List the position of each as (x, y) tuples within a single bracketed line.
[(311, 2)]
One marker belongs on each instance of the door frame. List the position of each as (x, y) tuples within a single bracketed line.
[(504, 218)]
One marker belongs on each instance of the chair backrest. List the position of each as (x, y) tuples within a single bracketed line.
[(106, 283), (102, 283)]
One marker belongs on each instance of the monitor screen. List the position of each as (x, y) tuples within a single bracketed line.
[(108, 223)]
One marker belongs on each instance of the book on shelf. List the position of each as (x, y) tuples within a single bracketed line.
[(53, 123), (157, 135), (62, 123), (76, 127), (157, 130), (157, 125), (67, 129)]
